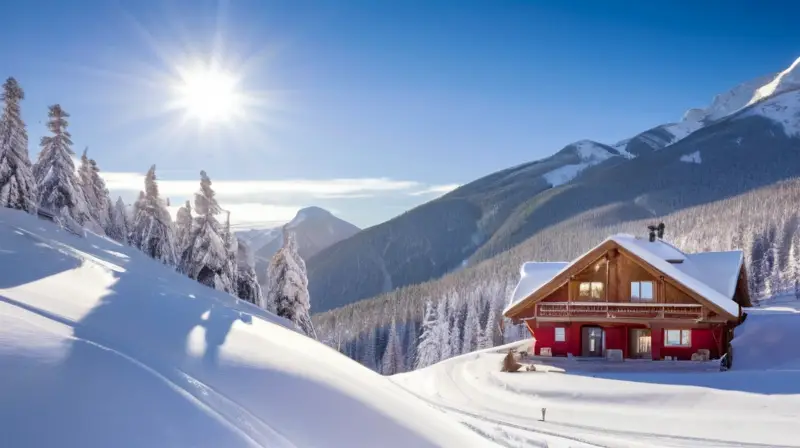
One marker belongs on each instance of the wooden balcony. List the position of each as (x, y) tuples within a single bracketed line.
[(612, 310)]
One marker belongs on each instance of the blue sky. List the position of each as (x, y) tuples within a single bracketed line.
[(369, 108)]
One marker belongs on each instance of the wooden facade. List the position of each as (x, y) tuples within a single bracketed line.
[(612, 299)]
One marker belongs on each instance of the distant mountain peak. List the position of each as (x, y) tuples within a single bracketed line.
[(310, 213), (785, 81)]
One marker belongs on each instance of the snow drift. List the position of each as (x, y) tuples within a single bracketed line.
[(102, 346)]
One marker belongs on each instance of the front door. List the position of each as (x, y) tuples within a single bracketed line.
[(591, 341), (640, 343)]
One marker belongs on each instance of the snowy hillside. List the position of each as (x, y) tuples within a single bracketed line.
[(632, 404), (102, 346)]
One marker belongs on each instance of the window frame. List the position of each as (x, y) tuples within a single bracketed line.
[(563, 334), (639, 283), (681, 333), (591, 290)]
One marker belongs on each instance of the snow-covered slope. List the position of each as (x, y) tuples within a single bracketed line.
[(101, 346), (635, 403), (589, 154), (258, 238)]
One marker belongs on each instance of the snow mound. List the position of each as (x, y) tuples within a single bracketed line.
[(691, 158), (767, 340), (101, 346)]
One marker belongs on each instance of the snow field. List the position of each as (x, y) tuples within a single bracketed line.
[(102, 346)]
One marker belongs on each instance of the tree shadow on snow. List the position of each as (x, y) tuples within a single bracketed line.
[(26, 257), (120, 382)]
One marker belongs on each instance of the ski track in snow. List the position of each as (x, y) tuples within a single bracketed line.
[(456, 391), (225, 411)]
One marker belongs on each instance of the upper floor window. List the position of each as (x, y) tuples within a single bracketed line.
[(642, 291), (591, 290)]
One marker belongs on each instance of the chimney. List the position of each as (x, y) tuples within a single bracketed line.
[(660, 230), (652, 230)]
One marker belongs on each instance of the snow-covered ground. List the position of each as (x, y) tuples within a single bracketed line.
[(633, 404), (101, 346)]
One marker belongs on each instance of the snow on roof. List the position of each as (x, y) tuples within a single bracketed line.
[(712, 275), (533, 276)]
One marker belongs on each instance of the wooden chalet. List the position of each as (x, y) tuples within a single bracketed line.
[(633, 297)]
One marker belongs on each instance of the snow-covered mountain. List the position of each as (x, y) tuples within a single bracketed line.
[(646, 175), (102, 346), (258, 238), (315, 229)]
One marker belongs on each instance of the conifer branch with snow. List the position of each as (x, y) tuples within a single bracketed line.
[(152, 229), (17, 184), (287, 285)]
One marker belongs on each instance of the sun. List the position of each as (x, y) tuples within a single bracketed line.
[(208, 95)]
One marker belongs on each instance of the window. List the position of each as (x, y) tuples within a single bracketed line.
[(592, 290), (642, 291), (561, 334), (677, 338)]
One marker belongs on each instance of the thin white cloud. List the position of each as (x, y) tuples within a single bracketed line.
[(436, 190), (327, 188), (253, 215)]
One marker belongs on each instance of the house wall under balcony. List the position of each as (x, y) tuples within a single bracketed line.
[(711, 338)]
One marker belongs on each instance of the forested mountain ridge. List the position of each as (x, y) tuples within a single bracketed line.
[(732, 183), (495, 213)]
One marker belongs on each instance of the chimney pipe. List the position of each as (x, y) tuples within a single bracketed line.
[(660, 229), (652, 230)]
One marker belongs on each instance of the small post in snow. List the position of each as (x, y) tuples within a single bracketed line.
[(544, 411)]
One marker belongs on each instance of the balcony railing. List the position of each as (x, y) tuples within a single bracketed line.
[(620, 310)]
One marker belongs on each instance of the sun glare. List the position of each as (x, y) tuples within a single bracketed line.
[(209, 95)]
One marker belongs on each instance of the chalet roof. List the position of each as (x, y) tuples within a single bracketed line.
[(533, 275), (712, 275)]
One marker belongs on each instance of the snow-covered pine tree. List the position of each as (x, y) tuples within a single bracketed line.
[(205, 257), (86, 185), (232, 245), (17, 184), (443, 322), (247, 287), (393, 355), (458, 315), (428, 349), (183, 227), (100, 193), (118, 227), (367, 349), (486, 339), (287, 285), (57, 185), (152, 230), (411, 344), (472, 326)]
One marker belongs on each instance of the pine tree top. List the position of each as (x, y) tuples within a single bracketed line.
[(12, 92), (150, 185)]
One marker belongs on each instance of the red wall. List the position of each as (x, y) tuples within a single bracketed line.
[(701, 338), (545, 336), (617, 338)]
